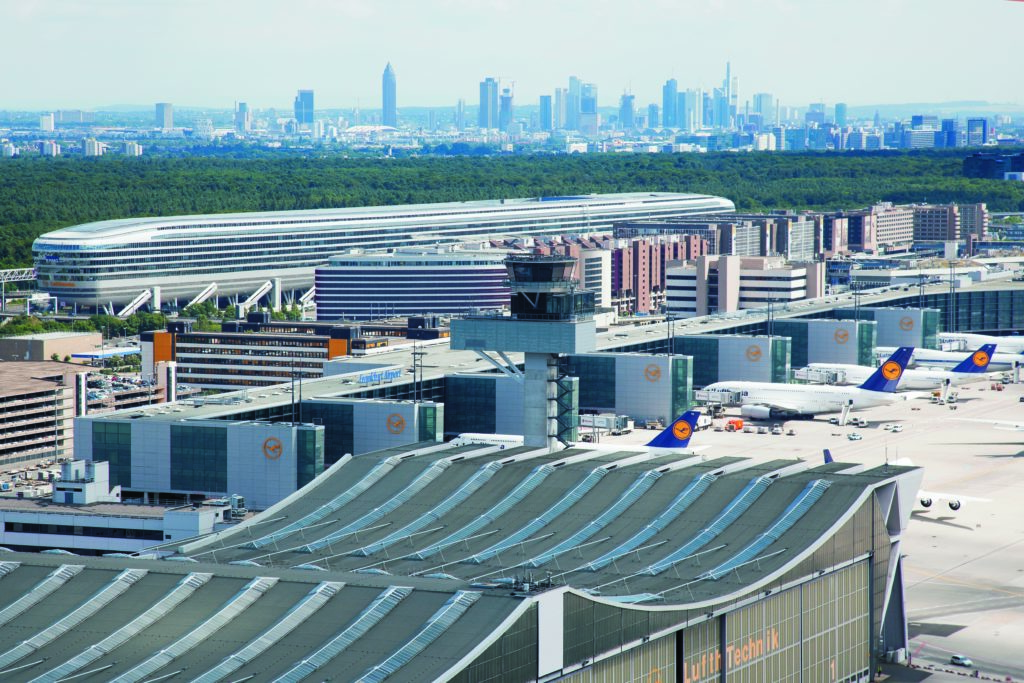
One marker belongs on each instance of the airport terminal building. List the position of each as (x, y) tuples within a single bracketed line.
[(479, 563), (112, 262)]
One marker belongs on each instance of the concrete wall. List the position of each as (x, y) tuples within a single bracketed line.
[(744, 358)]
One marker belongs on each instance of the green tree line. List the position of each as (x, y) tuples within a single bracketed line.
[(38, 195)]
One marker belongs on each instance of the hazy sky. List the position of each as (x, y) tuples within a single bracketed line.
[(88, 53)]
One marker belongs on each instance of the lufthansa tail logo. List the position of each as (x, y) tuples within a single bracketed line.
[(682, 430), (891, 370), (980, 359)]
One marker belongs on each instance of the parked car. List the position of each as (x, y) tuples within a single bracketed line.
[(897, 428), (961, 660), (854, 436), (776, 430), (762, 430)]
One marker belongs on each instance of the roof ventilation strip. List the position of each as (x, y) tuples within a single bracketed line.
[(104, 597), (185, 588), (336, 503), (367, 619), (57, 578)]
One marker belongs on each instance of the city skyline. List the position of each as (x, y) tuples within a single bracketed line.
[(620, 49)]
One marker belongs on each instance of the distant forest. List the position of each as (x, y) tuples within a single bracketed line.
[(38, 194)]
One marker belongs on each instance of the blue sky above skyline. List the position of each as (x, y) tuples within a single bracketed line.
[(84, 54)]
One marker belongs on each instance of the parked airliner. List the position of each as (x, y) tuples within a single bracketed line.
[(765, 400), (971, 369), (1010, 344)]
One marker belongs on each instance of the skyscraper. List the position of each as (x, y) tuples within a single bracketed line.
[(243, 118), (164, 115), (572, 104), (558, 115), (587, 120), (669, 100), (653, 116), (765, 106), (304, 109), (977, 132), (546, 120), (460, 114), (627, 113), (505, 110), (840, 113), (389, 116), (488, 116)]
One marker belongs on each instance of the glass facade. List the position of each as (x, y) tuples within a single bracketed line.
[(596, 380), (309, 455), (469, 405), (199, 459), (513, 657), (780, 359), (112, 442), (866, 336), (682, 384), (705, 357), (337, 419), (653, 662)]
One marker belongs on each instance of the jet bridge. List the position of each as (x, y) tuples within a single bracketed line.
[(721, 397)]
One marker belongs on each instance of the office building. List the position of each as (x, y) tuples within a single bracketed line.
[(304, 110), (8, 150), (460, 114), (993, 165), (977, 132), (488, 112), (49, 148), (950, 137), (46, 123), (545, 118), (389, 114), (411, 281), (722, 284), (572, 103), (936, 223), (505, 112), (558, 116), (243, 118), (764, 104), (627, 112), (164, 115), (924, 122), (93, 148), (588, 120), (653, 116), (974, 220), (114, 261), (37, 406), (840, 116), (131, 149), (669, 100)]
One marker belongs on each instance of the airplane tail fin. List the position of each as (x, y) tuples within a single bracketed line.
[(886, 377), (677, 434), (828, 456), (978, 361)]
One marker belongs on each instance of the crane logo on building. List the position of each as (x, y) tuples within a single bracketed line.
[(652, 373), (891, 370), (754, 353), (906, 323), (980, 359), (395, 423), (841, 336), (272, 448)]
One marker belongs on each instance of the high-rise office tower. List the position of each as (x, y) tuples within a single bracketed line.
[(840, 113), (558, 115), (546, 119), (765, 106), (588, 121), (669, 100), (977, 132), (627, 112), (572, 104), (950, 133), (389, 115), (304, 109), (488, 115), (816, 113), (46, 122), (653, 116), (505, 109), (164, 115), (720, 109), (243, 118), (460, 114)]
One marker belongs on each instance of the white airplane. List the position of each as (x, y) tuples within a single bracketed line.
[(927, 498), (1013, 344), (766, 400), (929, 358), (971, 369)]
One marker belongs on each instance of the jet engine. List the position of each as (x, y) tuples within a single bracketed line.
[(926, 502), (756, 412), (954, 505)]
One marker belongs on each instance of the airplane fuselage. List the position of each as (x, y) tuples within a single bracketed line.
[(912, 379), (804, 399), (928, 358), (1009, 344)]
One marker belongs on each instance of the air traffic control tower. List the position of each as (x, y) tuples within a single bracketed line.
[(549, 317)]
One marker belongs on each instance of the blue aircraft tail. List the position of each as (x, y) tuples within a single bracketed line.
[(677, 434), (886, 377), (828, 456), (977, 361)]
